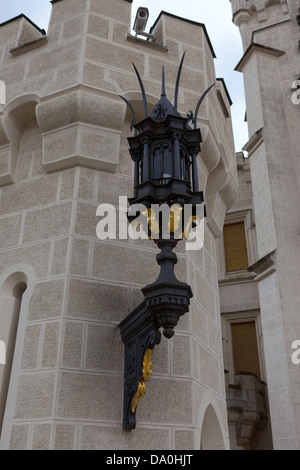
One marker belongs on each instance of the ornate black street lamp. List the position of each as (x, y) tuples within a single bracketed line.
[(164, 150)]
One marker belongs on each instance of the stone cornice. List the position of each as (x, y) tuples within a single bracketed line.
[(254, 47)]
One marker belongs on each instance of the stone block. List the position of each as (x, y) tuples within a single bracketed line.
[(31, 347), (47, 300), (63, 11), (161, 358), (66, 77), (184, 30), (59, 148), (72, 346), (19, 437), (100, 144), (41, 437), (114, 56), (117, 9), (73, 28), (125, 166), (204, 295), (98, 26), (215, 339), (80, 257), (36, 255), (51, 59), (137, 297), (86, 186), (123, 264), (195, 360), (50, 345), (190, 80), (48, 222), (107, 193), (68, 178), (104, 349), (35, 396), (199, 322), (90, 397), (29, 194), (59, 257), (210, 374), (184, 323), (14, 73), (160, 393), (97, 301), (94, 75), (120, 32), (10, 231), (113, 438), (9, 33), (184, 440), (211, 274), (83, 145), (64, 437), (181, 355)]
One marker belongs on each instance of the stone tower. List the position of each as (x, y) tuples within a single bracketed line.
[(63, 292), (270, 65)]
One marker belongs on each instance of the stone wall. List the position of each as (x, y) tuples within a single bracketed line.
[(270, 65), (63, 152)]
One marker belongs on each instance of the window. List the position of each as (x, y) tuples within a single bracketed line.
[(12, 293), (235, 246), (162, 162), (244, 346)]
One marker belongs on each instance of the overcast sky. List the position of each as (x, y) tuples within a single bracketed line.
[(215, 14)]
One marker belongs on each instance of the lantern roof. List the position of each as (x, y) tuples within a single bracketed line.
[(164, 107)]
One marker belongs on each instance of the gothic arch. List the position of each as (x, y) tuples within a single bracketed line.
[(18, 114), (16, 287), (213, 435)]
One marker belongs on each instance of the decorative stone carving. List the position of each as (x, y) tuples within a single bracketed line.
[(247, 408)]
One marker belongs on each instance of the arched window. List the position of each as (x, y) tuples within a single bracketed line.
[(11, 299), (162, 161)]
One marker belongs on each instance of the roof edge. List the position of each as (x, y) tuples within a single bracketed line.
[(195, 23), (225, 89), (19, 17)]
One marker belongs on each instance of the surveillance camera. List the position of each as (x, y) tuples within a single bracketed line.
[(141, 20)]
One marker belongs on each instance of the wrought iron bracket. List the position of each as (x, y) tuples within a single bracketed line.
[(166, 300), (140, 334)]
